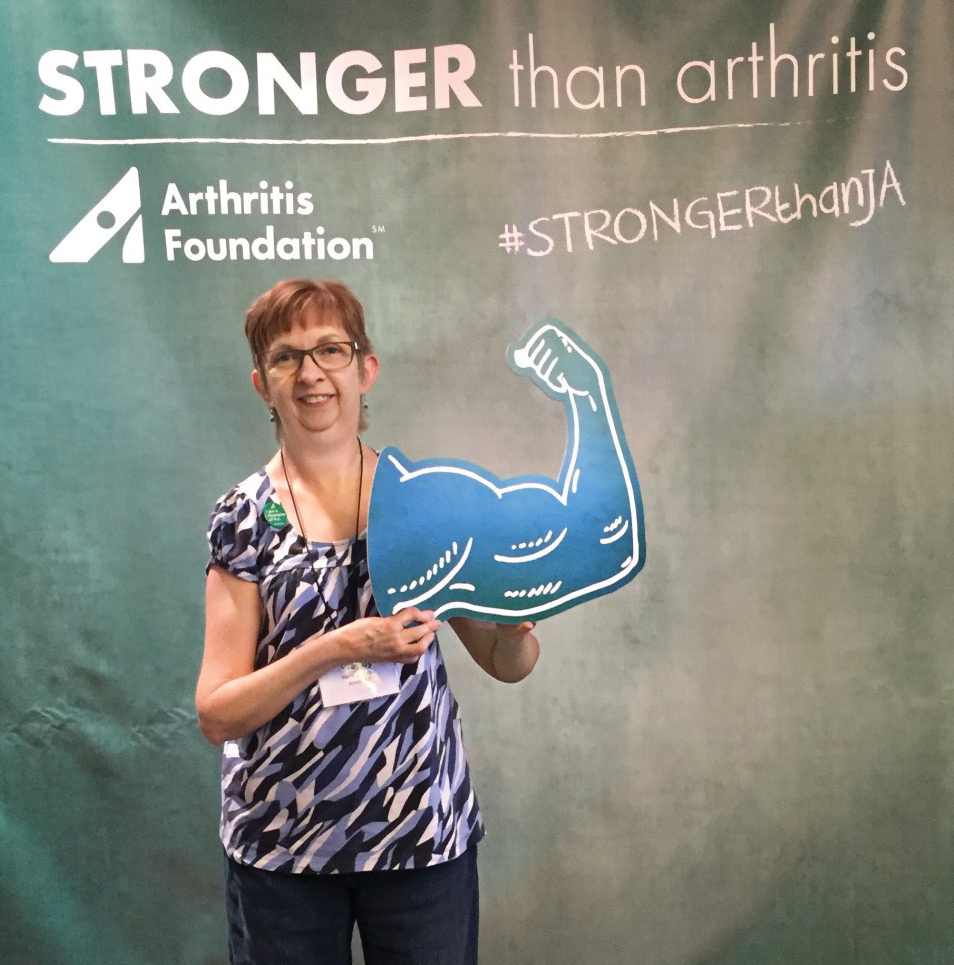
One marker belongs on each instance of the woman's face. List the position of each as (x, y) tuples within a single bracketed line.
[(314, 400)]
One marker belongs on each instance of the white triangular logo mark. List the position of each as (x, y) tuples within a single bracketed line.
[(104, 221)]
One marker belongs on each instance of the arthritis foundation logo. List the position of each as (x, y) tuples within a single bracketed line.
[(200, 218), (104, 221)]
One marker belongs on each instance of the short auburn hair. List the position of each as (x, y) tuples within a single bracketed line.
[(276, 312)]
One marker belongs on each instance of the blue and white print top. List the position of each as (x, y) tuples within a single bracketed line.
[(377, 784)]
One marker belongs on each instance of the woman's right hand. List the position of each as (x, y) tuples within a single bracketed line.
[(401, 638)]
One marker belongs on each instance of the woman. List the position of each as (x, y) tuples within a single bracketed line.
[(332, 812)]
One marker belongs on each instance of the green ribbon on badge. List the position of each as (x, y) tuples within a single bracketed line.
[(275, 516)]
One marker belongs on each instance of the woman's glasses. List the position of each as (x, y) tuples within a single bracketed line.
[(328, 356)]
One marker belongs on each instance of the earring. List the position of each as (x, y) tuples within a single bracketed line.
[(364, 403), (272, 415)]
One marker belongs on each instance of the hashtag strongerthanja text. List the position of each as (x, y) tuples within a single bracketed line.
[(855, 199)]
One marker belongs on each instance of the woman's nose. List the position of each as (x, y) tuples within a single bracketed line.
[(310, 369)]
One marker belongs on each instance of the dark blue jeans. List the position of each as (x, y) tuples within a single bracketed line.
[(425, 916)]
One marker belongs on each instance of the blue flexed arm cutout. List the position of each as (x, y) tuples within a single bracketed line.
[(448, 536)]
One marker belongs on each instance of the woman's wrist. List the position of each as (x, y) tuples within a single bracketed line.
[(331, 649)]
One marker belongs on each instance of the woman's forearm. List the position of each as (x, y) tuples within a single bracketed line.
[(239, 706), (236, 703)]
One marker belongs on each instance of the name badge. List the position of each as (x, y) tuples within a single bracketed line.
[(359, 681)]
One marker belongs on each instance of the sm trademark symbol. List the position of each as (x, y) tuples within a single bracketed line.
[(377, 229)]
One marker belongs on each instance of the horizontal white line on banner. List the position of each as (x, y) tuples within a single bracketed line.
[(332, 142)]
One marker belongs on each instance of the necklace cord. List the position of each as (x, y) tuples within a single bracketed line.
[(304, 535)]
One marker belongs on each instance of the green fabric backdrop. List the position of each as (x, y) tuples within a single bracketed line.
[(742, 758)]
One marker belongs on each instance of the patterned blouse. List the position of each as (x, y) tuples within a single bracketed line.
[(376, 784)]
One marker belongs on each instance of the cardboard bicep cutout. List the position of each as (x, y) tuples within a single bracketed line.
[(449, 536)]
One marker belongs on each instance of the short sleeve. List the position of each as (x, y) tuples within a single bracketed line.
[(233, 536)]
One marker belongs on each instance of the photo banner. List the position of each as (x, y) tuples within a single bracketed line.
[(742, 757)]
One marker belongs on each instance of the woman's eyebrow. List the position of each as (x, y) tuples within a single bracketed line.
[(280, 345)]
